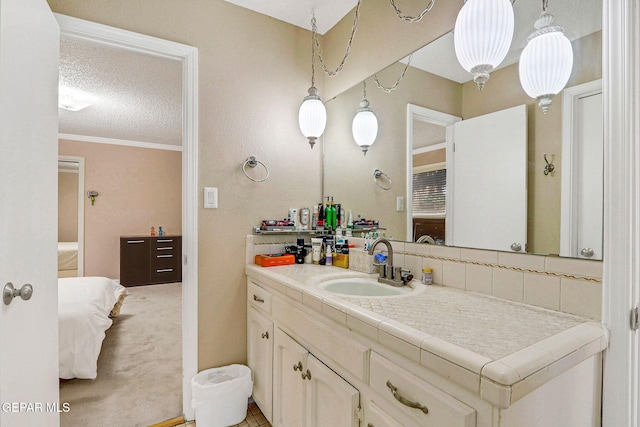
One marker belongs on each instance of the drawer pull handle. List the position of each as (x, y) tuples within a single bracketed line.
[(164, 256), (164, 270), (134, 241), (164, 240), (404, 400), (266, 335), (306, 375), (255, 298), (165, 248), (298, 367)]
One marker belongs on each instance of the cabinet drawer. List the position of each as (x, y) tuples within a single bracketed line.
[(435, 407), (166, 274), (259, 297)]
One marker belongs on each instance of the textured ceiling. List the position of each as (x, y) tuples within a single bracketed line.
[(134, 96)]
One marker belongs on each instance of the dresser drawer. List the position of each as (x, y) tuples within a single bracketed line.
[(259, 297), (424, 403)]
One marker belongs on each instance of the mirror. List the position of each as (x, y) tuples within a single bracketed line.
[(70, 216), (349, 176)]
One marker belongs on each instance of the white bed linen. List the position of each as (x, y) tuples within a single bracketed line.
[(84, 304), (67, 255)]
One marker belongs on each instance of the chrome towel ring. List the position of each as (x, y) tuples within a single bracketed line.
[(377, 174), (252, 162)]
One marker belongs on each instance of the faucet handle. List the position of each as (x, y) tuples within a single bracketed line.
[(405, 275)]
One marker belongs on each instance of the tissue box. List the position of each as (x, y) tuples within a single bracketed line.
[(360, 260), (275, 259)]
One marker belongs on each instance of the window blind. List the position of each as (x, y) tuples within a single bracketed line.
[(429, 191)]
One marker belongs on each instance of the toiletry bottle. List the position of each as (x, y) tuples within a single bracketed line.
[(316, 249), (328, 215), (300, 251), (427, 276), (314, 218), (338, 209), (153, 231), (329, 256), (160, 231), (320, 225)]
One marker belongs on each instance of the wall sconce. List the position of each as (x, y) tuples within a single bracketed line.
[(92, 195)]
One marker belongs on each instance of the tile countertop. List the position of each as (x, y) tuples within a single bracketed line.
[(497, 348)]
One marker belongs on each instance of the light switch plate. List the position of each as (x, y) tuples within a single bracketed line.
[(399, 204), (210, 197)]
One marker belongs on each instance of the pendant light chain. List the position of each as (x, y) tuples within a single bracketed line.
[(395, 85), (545, 4), (354, 27), (412, 18)]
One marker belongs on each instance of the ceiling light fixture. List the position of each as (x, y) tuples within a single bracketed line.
[(546, 61), (482, 36), (365, 123)]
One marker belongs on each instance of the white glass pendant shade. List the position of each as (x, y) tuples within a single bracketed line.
[(482, 36), (546, 62), (312, 116), (364, 126)]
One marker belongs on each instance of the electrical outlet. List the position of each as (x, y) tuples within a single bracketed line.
[(399, 204)]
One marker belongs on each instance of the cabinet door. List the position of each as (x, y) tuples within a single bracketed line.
[(290, 358), (260, 359), (330, 400), (134, 260), (376, 417)]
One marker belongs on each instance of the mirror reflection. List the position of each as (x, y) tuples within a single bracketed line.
[(460, 197)]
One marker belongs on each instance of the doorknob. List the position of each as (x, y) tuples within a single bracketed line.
[(517, 247), (9, 292), (586, 252)]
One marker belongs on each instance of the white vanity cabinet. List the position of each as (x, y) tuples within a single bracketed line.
[(308, 393), (327, 363), (260, 346), (260, 358)]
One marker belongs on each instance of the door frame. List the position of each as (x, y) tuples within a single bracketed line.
[(80, 162), (87, 31), (568, 209), (621, 274), (416, 112)]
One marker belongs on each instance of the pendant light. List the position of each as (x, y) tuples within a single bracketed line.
[(482, 36), (365, 123), (312, 116), (546, 61)]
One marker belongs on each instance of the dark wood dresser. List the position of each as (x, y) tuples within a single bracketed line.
[(146, 260)]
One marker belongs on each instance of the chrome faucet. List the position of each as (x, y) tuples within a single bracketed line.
[(388, 273)]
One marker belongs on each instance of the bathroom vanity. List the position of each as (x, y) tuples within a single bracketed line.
[(435, 356)]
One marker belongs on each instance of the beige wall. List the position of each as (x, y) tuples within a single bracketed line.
[(382, 39), (430, 157), (67, 206), (253, 73), (349, 176), (138, 188), (503, 90)]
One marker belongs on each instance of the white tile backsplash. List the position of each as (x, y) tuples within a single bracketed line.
[(569, 285)]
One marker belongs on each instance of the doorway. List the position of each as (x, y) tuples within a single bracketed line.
[(78, 29)]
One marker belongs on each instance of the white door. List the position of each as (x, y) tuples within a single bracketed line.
[(290, 361), (29, 50), (590, 178), (260, 359), (487, 181), (331, 401)]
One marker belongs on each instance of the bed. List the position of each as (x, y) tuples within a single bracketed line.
[(67, 259), (85, 308)]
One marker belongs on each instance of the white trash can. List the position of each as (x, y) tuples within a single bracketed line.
[(220, 396)]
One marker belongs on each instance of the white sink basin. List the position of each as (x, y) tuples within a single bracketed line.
[(360, 286)]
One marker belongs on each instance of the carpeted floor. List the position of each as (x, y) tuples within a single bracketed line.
[(139, 379)]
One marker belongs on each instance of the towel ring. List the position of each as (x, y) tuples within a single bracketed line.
[(377, 174), (252, 162)]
